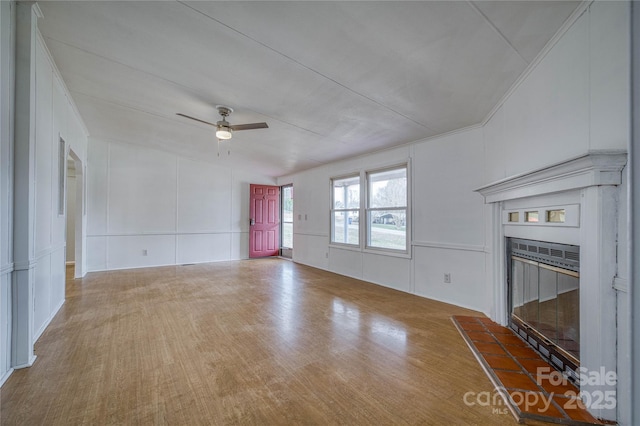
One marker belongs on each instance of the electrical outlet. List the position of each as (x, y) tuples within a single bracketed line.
[(447, 278), (144, 252), (326, 255)]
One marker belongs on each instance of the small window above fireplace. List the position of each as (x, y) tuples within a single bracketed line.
[(555, 216), (567, 215), (531, 216)]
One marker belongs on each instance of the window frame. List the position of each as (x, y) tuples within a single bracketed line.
[(407, 208), (334, 210), (363, 211), (282, 195)]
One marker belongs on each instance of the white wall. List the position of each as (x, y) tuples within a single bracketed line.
[(448, 220), (55, 117), (44, 113), (6, 182), (574, 100), (179, 210)]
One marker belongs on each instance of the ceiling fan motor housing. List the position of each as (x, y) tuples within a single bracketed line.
[(224, 111)]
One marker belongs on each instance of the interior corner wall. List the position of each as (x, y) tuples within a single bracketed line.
[(7, 69), (148, 207)]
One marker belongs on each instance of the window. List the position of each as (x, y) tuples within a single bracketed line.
[(287, 216), (556, 216), (387, 209), (345, 210), (531, 217)]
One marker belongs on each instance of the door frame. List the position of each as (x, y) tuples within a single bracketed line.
[(270, 249)]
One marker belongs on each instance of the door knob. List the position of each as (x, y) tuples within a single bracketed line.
[(252, 222)]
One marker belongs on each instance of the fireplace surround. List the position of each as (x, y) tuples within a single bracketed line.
[(587, 189)]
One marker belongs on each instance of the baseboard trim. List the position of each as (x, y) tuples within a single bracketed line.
[(5, 377), (27, 365), (48, 321)]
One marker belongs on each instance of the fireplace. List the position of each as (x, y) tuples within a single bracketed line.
[(572, 206), (543, 282)]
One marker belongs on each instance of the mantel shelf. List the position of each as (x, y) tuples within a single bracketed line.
[(593, 169)]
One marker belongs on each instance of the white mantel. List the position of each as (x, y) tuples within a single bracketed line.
[(592, 182), (593, 169)]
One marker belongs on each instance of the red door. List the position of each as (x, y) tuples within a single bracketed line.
[(264, 220)]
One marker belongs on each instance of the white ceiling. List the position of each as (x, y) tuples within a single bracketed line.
[(332, 79)]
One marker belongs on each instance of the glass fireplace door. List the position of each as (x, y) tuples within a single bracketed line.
[(545, 296)]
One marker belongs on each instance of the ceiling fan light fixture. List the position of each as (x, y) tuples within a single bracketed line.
[(223, 132)]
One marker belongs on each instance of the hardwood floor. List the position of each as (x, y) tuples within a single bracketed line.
[(249, 342)]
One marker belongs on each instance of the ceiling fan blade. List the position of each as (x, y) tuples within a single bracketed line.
[(196, 119), (250, 126)]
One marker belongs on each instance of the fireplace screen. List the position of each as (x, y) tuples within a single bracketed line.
[(544, 284)]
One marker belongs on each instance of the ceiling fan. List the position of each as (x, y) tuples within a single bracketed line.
[(224, 129)]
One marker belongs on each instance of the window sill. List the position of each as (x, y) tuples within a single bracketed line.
[(369, 250), (350, 247)]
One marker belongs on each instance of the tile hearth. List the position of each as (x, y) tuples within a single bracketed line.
[(530, 387)]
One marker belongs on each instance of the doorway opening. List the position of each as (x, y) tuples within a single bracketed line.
[(75, 211), (70, 209), (286, 206)]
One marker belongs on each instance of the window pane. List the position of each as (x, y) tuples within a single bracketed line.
[(346, 193), (287, 216), (531, 216), (555, 216), (287, 235), (388, 229), (388, 188), (346, 227)]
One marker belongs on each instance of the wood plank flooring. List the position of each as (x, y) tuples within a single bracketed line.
[(249, 342)]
